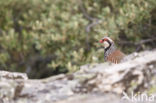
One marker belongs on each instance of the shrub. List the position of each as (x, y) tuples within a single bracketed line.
[(47, 37)]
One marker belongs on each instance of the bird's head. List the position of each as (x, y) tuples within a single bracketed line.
[(107, 42)]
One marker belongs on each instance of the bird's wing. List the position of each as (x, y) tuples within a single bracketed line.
[(116, 56)]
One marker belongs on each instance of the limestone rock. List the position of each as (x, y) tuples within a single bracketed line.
[(93, 83), (15, 75)]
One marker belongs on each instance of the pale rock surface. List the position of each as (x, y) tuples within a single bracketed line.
[(93, 83)]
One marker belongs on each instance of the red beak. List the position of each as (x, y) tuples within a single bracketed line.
[(101, 41)]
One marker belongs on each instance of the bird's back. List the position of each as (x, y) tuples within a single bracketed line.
[(116, 56)]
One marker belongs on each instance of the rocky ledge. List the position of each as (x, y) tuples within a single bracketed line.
[(93, 83)]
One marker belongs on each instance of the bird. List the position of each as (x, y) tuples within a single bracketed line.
[(111, 53)]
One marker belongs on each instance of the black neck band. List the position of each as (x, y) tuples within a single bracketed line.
[(108, 46)]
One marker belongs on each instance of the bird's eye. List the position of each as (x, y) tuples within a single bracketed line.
[(105, 39), (102, 40)]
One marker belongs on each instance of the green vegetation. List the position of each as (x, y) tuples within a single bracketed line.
[(46, 37)]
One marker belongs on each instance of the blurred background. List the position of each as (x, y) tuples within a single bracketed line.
[(49, 37)]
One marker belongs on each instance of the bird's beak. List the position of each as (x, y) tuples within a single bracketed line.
[(101, 41)]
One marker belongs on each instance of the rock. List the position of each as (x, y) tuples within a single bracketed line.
[(9, 87), (93, 98), (15, 75), (93, 83), (133, 74)]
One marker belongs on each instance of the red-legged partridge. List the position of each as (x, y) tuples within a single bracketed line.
[(111, 53)]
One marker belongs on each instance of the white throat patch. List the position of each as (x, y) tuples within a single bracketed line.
[(106, 44)]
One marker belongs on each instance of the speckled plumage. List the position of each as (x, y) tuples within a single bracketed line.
[(111, 53)]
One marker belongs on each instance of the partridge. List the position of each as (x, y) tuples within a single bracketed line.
[(111, 53)]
